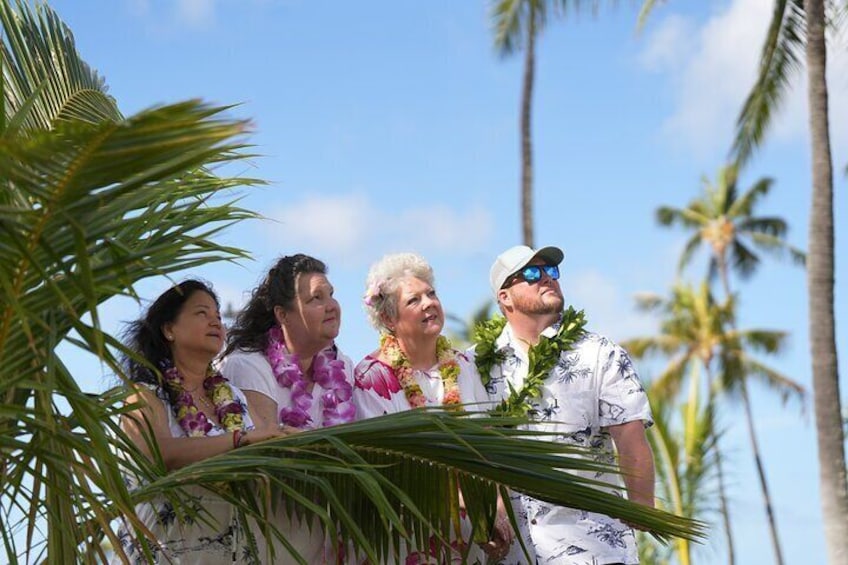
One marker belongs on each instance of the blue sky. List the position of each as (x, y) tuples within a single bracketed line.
[(391, 126)]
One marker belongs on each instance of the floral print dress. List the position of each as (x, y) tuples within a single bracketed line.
[(214, 537)]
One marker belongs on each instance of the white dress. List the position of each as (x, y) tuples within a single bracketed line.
[(251, 371), (216, 537)]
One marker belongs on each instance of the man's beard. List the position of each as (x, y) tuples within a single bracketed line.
[(539, 304)]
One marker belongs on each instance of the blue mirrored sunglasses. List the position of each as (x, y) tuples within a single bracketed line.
[(533, 273)]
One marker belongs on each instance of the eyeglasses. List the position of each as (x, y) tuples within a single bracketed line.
[(533, 273)]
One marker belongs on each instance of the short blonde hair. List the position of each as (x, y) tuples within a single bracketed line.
[(383, 282)]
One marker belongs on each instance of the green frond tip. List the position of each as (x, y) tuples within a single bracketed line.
[(403, 465)]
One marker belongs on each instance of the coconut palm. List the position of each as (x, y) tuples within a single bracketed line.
[(517, 23), (724, 222), (92, 203), (686, 453), (797, 34), (796, 39), (697, 329)]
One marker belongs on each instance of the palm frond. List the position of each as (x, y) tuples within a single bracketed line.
[(371, 464), (778, 247), (94, 209), (744, 261), (780, 58), (45, 80), (743, 206)]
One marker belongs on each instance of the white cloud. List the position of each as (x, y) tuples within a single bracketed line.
[(668, 46), (336, 223), (717, 69), (196, 13), (351, 228)]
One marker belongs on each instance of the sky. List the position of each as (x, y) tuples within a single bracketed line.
[(393, 126)]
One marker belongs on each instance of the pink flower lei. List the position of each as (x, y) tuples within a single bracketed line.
[(447, 366), (192, 420), (327, 371)]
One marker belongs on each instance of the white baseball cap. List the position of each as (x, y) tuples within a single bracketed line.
[(516, 258)]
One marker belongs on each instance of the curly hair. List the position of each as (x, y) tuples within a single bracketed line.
[(279, 288), (144, 336), (383, 282)]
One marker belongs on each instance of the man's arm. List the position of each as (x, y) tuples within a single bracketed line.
[(636, 461)]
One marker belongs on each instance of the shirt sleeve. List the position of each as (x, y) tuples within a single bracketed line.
[(471, 389), (251, 373), (622, 397), (375, 389)]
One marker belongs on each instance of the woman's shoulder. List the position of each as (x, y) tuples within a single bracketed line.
[(372, 374), (370, 362)]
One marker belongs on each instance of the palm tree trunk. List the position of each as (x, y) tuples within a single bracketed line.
[(755, 448), (722, 489), (526, 139), (820, 280), (752, 435)]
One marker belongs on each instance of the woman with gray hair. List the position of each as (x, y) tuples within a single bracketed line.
[(415, 364)]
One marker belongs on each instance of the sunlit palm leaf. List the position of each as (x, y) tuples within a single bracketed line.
[(44, 78), (390, 454), (96, 208)]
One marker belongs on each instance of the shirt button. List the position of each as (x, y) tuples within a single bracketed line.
[(533, 521)]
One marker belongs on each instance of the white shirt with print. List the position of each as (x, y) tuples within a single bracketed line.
[(592, 386)]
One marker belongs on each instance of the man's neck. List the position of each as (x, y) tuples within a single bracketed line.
[(528, 327)]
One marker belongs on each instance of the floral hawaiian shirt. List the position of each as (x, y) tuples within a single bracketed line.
[(594, 385)]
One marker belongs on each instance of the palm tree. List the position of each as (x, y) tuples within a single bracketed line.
[(517, 23), (92, 203), (796, 35), (686, 450), (698, 330), (820, 277), (725, 222)]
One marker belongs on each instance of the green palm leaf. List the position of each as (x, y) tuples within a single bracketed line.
[(385, 476)]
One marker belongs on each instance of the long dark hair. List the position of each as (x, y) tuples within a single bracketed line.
[(144, 336), (249, 333)]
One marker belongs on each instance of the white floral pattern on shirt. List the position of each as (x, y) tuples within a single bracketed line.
[(591, 387)]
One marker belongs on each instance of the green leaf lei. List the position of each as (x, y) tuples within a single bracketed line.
[(543, 356)]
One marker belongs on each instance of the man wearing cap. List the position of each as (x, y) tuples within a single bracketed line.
[(589, 394)]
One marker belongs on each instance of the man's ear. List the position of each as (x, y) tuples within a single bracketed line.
[(504, 298)]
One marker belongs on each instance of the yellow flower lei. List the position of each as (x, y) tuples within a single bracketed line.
[(448, 369)]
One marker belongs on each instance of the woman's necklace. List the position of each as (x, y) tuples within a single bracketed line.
[(448, 368), (193, 421), (328, 372)]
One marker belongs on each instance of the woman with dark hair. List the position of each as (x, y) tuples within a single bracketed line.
[(191, 412), (281, 352)]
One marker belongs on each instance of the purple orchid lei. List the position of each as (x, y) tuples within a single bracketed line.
[(193, 421), (328, 372)]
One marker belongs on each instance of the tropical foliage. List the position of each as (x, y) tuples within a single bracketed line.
[(92, 203), (697, 333), (723, 220), (685, 447), (796, 39)]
